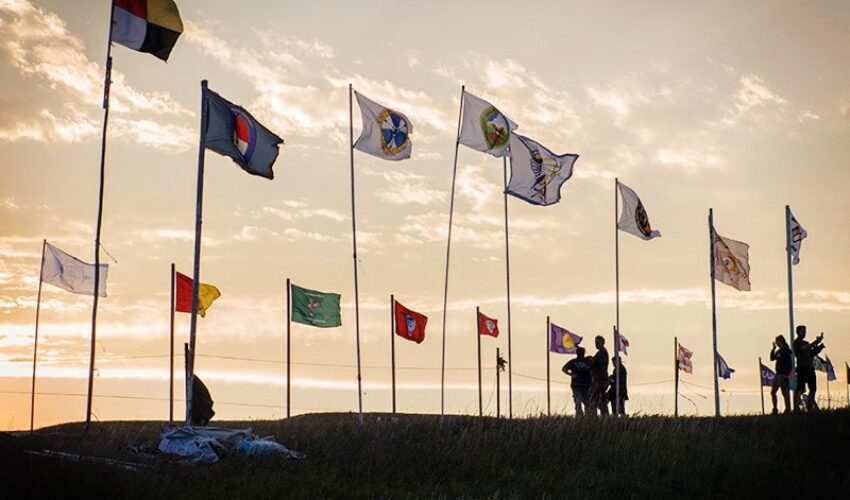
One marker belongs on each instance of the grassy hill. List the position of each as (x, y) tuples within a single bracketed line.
[(413, 456)]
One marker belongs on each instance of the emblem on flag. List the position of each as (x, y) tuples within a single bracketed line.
[(495, 128), (487, 326), (731, 262), (537, 174), (386, 132), (634, 219), (409, 324), (483, 127), (394, 132), (562, 341), (244, 133)]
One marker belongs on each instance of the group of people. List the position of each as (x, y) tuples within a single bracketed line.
[(807, 387), (593, 387)]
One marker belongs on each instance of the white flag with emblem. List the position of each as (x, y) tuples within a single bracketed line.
[(798, 234), (484, 128), (732, 262), (633, 218), (70, 273), (537, 173), (386, 132)]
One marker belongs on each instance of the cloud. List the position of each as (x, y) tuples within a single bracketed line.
[(689, 159), (405, 188)]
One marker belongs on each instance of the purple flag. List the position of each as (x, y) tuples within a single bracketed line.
[(562, 341), (767, 376)]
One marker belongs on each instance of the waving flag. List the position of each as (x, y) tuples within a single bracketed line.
[(633, 218), (723, 368), (409, 324), (232, 131), (623, 344), (183, 299), (562, 341), (70, 273), (683, 359), (732, 262), (798, 234), (151, 26), (484, 128), (386, 132), (537, 173), (488, 326), (313, 308), (825, 366), (767, 375)]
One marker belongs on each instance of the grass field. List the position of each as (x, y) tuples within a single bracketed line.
[(413, 456)]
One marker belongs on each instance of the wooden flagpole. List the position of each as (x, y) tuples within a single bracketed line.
[(548, 371), (392, 347), (107, 83), (288, 347), (354, 255), (35, 343), (793, 382), (508, 279), (676, 376), (617, 410), (478, 340), (761, 387), (448, 257), (713, 314), (171, 347)]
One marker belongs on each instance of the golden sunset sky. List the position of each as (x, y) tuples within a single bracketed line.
[(743, 107)]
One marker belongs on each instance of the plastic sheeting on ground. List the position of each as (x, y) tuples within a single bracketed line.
[(210, 444)]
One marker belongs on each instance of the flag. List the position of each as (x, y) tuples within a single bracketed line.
[(386, 132), (562, 341), (183, 297), (723, 369), (231, 131), (484, 128), (488, 326), (732, 262), (70, 273), (825, 366), (537, 173), (683, 359), (767, 375), (313, 308), (409, 324), (633, 218), (151, 26), (798, 234), (623, 344)]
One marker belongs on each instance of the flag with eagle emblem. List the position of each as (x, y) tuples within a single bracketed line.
[(633, 218), (537, 173), (386, 132), (732, 262)]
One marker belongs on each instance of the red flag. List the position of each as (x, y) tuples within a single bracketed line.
[(183, 299), (409, 324), (488, 326)]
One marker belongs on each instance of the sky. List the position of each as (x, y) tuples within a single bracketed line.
[(739, 107)]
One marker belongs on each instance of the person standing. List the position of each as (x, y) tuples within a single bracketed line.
[(618, 409), (805, 353), (780, 353), (580, 380), (599, 377)]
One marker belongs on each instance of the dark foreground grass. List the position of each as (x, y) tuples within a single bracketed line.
[(413, 456)]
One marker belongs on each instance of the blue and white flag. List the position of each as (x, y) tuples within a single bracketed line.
[(484, 128), (723, 368), (537, 173), (767, 375), (386, 132), (70, 273), (825, 366), (232, 131)]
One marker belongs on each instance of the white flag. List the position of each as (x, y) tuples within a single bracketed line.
[(484, 128), (386, 132), (537, 173), (732, 262), (633, 218), (798, 234), (624, 344), (70, 273)]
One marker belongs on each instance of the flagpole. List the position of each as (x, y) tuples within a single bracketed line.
[(107, 82), (828, 398), (617, 373), (354, 255), (171, 350), (288, 346), (548, 372), (199, 210), (714, 314), (35, 343), (448, 257), (478, 338), (392, 347), (498, 386), (793, 384), (761, 387), (508, 278), (676, 376), (617, 280)]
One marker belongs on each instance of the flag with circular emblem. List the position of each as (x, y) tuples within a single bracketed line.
[(409, 324), (484, 128), (151, 26), (386, 132), (633, 218), (488, 325), (537, 174), (563, 341)]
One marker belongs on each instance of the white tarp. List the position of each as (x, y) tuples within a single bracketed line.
[(209, 444)]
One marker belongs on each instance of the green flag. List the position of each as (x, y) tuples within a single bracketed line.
[(313, 308)]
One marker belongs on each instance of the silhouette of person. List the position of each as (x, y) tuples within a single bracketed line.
[(599, 376), (805, 353), (618, 409), (580, 380), (780, 353)]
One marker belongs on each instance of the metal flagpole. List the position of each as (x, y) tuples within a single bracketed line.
[(828, 398), (196, 275), (107, 82), (498, 386), (616, 406), (847, 385), (35, 343), (761, 387), (548, 372), (478, 339), (448, 257), (791, 326), (676, 376), (714, 314), (288, 347), (617, 280), (392, 346), (171, 348), (354, 254), (508, 278)]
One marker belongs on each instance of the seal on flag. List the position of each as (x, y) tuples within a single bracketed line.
[(244, 133), (395, 134), (495, 128), (642, 220)]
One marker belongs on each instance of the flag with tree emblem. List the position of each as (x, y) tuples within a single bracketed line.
[(386, 132), (484, 128), (313, 308), (537, 173)]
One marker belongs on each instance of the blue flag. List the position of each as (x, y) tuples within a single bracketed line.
[(723, 368), (767, 376), (232, 131), (825, 366)]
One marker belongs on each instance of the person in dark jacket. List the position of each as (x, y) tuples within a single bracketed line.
[(805, 353), (580, 379), (202, 403), (780, 353), (599, 385), (612, 391)]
